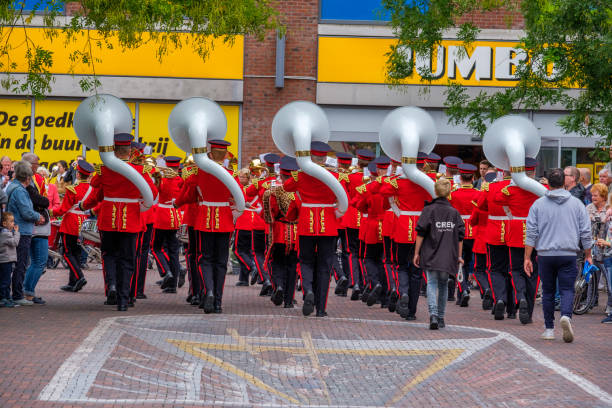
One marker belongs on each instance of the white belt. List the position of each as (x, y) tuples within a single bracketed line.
[(466, 217), (499, 218), (519, 218), (314, 205), (122, 200), (364, 215), (410, 213), (214, 203), (165, 206), (77, 212)]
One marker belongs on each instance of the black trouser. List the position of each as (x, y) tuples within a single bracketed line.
[(213, 251), (315, 262), (389, 264), (481, 273), (352, 235), (143, 245), (463, 285), (409, 275), (499, 271), (343, 264), (284, 270), (166, 240), (196, 281), (526, 286), (243, 248), (23, 259), (259, 250), (72, 255), (373, 263), (119, 254)]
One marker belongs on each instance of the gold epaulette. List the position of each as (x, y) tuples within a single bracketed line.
[(147, 169), (265, 185), (291, 196), (361, 189), (485, 186), (505, 191), (343, 177), (97, 168), (235, 173), (392, 181), (475, 203), (455, 187), (295, 174), (71, 189), (256, 183), (379, 179)]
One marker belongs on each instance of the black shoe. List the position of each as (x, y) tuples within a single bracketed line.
[(79, 284), (209, 303), (168, 281), (253, 278), (441, 323), (402, 307), (512, 315), (356, 293), (111, 298), (524, 312), (487, 300), (67, 288), (465, 299), (195, 301), (365, 295), (452, 298), (141, 296), (131, 302), (458, 301), (374, 295), (289, 305), (410, 317), (188, 300), (218, 310), (500, 307), (241, 283), (278, 296), (393, 301), (266, 289), (122, 308), (321, 313), (341, 286), (169, 290), (181, 279), (308, 306), (159, 282), (433, 322)]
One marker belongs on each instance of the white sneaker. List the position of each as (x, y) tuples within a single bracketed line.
[(549, 334), (568, 332), (608, 310), (23, 302)]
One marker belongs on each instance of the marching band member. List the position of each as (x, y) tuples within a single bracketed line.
[(243, 237), (463, 199), (343, 270), (167, 222), (119, 222), (70, 227), (317, 230), (389, 264), (214, 224), (452, 174)]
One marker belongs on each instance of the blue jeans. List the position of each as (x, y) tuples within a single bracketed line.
[(437, 292), (563, 269), (608, 271), (6, 270), (39, 251)]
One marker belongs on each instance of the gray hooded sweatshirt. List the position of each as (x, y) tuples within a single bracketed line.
[(557, 224)]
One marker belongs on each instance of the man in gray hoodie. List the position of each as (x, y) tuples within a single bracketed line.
[(557, 227)]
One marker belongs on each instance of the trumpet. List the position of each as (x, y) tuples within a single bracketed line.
[(257, 168), (167, 172)]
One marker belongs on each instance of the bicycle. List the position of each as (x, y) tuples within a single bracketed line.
[(585, 289)]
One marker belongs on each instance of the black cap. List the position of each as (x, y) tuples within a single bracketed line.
[(84, 167), (433, 158), (287, 165), (123, 139), (382, 162), (422, 157), (173, 161), (344, 157), (137, 145), (372, 167), (319, 148), (490, 177), (219, 144), (452, 161), (530, 163), (467, 168), (271, 158), (365, 154)]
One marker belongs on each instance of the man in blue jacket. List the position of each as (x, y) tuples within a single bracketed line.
[(20, 205)]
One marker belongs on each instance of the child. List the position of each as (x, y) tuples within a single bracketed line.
[(439, 243), (9, 239)]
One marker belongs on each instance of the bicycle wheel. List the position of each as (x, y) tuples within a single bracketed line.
[(591, 292), (580, 296)]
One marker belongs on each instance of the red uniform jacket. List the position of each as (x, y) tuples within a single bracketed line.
[(166, 216), (190, 210), (251, 218), (285, 228), (73, 217), (318, 212), (410, 199), (119, 200), (464, 200), (41, 184), (518, 202), (497, 223), (353, 217), (478, 223), (375, 205), (213, 198)]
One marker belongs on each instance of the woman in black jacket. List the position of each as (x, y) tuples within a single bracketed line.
[(439, 243)]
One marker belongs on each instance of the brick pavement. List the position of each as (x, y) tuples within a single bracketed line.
[(76, 352)]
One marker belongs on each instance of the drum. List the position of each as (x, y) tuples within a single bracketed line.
[(89, 231), (182, 234)]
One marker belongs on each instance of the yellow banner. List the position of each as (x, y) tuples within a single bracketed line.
[(363, 60), (223, 62)]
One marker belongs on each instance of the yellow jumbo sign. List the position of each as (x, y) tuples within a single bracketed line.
[(363, 60), (54, 137)]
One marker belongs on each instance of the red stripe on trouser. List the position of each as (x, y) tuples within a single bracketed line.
[(535, 293), (350, 258), (163, 251), (238, 255), (138, 256), (158, 262), (201, 252), (512, 276), (257, 266), (327, 293), (385, 264), (489, 274), (363, 269), (68, 260), (475, 278)]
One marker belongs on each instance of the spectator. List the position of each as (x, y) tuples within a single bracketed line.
[(58, 177), (439, 244), (604, 177), (20, 205), (70, 177), (556, 226), (9, 239), (5, 171), (483, 169), (585, 180), (39, 247), (51, 189), (572, 182)]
